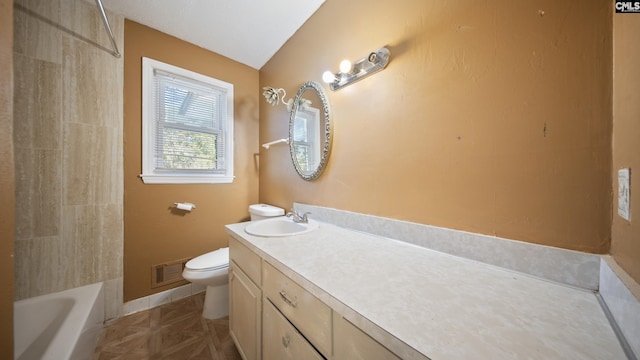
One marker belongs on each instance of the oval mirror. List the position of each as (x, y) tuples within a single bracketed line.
[(310, 130)]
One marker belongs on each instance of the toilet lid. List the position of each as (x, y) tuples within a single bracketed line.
[(210, 261)]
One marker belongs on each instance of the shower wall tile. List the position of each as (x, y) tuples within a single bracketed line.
[(43, 265), (96, 234), (37, 139), (37, 32), (113, 305), (83, 19), (69, 148), (91, 78), (112, 227), (92, 164), (38, 103), (49, 10), (38, 190)]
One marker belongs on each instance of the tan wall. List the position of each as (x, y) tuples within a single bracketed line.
[(492, 117), (153, 233), (68, 150), (7, 197), (625, 242)]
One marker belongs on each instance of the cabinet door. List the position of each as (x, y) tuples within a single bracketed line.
[(281, 340), (245, 303), (350, 343)]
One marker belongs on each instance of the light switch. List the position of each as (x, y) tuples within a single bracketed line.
[(623, 193)]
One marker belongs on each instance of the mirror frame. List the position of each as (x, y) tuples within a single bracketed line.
[(326, 126)]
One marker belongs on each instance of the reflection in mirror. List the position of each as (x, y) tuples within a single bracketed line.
[(310, 130), (306, 137)]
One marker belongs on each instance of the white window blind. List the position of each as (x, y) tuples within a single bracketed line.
[(187, 126)]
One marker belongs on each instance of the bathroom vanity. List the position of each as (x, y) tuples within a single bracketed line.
[(289, 314), (339, 294)]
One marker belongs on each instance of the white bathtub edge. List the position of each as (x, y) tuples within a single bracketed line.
[(77, 333), (90, 313), (92, 328)]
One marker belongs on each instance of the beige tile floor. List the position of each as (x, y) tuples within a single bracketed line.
[(172, 331)]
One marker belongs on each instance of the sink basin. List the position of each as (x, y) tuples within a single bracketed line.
[(280, 226)]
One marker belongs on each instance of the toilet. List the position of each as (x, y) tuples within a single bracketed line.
[(212, 269), (264, 211)]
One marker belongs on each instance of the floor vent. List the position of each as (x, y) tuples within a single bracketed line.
[(167, 273)]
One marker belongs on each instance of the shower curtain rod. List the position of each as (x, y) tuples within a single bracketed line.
[(115, 51)]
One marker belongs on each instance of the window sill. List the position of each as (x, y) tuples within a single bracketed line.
[(182, 179)]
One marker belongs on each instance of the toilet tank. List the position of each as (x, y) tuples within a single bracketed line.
[(263, 211)]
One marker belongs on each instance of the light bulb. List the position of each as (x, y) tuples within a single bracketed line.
[(345, 66), (328, 77)]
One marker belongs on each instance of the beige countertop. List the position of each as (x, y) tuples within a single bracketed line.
[(423, 304)]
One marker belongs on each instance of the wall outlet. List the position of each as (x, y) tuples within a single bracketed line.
[(624, 210)]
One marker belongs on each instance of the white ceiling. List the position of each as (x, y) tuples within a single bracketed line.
[(247, 31)]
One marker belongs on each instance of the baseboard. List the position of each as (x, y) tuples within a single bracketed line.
[(164, 297)]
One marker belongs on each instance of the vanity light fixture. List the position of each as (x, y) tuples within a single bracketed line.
[(350, 73)]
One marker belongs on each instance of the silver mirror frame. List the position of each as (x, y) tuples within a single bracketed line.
[(328, 130)]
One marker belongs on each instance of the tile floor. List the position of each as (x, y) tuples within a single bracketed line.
[(172, 331)]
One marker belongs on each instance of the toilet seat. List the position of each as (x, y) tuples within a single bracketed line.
[(214, 260)]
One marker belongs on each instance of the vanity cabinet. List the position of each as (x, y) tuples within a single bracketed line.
[(245, 301), (271, 317)]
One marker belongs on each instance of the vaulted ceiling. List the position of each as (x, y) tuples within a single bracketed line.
[(247, 31)]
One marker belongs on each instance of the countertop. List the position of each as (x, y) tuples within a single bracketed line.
[(424, 304)]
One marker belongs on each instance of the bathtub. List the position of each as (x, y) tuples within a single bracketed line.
[(62, 325)]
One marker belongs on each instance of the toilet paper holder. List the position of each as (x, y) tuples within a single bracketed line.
[(184, 206)]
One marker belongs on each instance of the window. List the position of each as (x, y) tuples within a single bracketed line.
[(187, 126)]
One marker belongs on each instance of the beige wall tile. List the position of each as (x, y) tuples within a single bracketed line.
[(49, 10), (82, 18), (92, 164), (69, 176), (91, 83), (95, 233), (37, 100), (113, 298), (42, 266), (39, 18), (38, 192)]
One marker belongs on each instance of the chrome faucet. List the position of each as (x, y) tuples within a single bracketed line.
[(297, 218)]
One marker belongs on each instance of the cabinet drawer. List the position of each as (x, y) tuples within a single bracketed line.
[(306, 312), (246, 259), (282, 341), (350, 343)]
